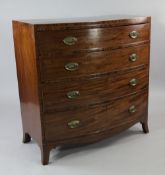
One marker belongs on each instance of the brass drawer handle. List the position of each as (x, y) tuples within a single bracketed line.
[(74, 124), (73, 94), (132, 109), (134, 34), (133, 82), (133, 57), (71, 66), (70, 40)]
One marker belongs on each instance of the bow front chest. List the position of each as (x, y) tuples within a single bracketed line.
[(81, 80)]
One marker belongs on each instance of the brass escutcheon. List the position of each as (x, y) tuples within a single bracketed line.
[(133, 57), (74, 124), (73, 94), (134, 34), (132, 109), (70, 40), (133, 82), (71, 66)]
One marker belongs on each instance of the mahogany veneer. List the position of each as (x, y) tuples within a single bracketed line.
[(81, 80)]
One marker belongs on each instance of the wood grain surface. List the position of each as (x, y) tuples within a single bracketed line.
[(102, 52), (91, 39), (92, 91), (52, 67), (95, 119)]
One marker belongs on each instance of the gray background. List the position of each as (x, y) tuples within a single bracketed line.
[(129, 153)]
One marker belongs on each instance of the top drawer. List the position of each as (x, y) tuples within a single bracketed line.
[(91, 39)]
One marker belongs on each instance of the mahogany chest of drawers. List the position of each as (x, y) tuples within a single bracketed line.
[(81, 80)]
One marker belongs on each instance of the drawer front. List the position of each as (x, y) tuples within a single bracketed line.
[(93, 120), (77, 93), (64, 66), (86, 39)]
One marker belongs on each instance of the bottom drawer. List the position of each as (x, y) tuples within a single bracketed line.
[(95, 119)]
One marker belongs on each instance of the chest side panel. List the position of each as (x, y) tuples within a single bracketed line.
[(27, 74)]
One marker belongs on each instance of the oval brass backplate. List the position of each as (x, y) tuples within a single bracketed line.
[(134, 34), (133, 57), (73, 94), (70, 40), (72, 66), (133, 82), (132, 109), (74, 124)]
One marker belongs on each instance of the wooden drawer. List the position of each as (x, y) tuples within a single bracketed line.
[(93, 120), (90, 39), (64, 66), (92, 91)]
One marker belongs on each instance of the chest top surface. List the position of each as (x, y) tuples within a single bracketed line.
[(86, 19), (89, 22)]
